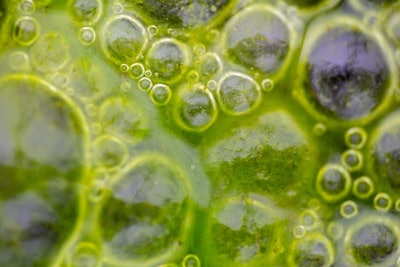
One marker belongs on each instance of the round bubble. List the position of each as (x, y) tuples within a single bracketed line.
[(19, 61), (346, 73), (136, 70), (27, 7), (348, 209), (382, 202), (169, 58), (333, 182), (258, 37), (109, 152), (209, 65), (85, 11), (160, 94), (85, 254), (191, 261), (238, 93), (145, 84), (355, 137), (123, 39), (196, 108), (87, 35), (363, 187), (50, 53), (352, 160), (26, 31)]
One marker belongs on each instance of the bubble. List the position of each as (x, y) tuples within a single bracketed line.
[(192, 76), (209, 65), (191, 261), (85, 11), (87, 35), (109, 152), (146, 213), (335, 230), (26, 31), (312, 250), (213, 35), (121, 117), (27, 7), (238, 94), (382, 202), (333, 182), (124, 68), (118, 8), (91, 109), (196, 108), (86, 254), (124, 38), (299, 231), (319, 129), (50, 53), (145, 84), (397, 205), (258, 37), (372, 242), (153, 30), (168, 57), (136, 70), (19, 61), (392, 24), (348, 209), (352, 160), (363, 187), (212, 85), (199, 49), (160, 94), (125, 87), (309, 219), (149, 73), (355, 137), (347, 73), (267, 85)]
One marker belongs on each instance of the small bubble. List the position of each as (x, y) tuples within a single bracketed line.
[(193, 76), (363, 187), (109, 152), (124, 68), (212, 85), (87, 36), (160, 94), (267, 85), (348, 209), (213, 35), (91, 109), (333, 182), (299, 231), (137, 70), (382, 202), (125, 87), (27, 7), (355, 138), (153, 30), (19, 61), (86, 254), (117, 8), (199, 49), (309, 219), (145, 84), (99, 184), (319, 129), (148, 73), (209, 65), (26, 31), (335, 230), (191, 260), (60, 80), (352, 160), (85, 12)]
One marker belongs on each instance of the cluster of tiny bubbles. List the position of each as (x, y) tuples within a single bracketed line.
[(355, 137), (238, 93), (267, 85), (191, 260), (333, 182), (348, 209), (124, 68), (91, 110), (87, 35), (319, 129), (160, 94), (27, 7), (382, 202), (19, 61), (363, 187), (153, 30), (352, 160), (136, 70), (109, 152), (145, 84), (85, 254), (125, 87), (26, 31), (85, 11), (309, 219)]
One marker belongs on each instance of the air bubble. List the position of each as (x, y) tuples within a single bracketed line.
[(192, 76), (199, 49), (145, 84), (169, 57), (238, 93), (86, 254), (196, 108), (19, 61), (109, 152), (352, 160), (382, 202), (348, 209), (309, 219), (85, 11), (319, 129), (153, 30), (213, 35), (209, 65), (355, 137), (333, 182), (267, 85), (26, 31), (258, 37), (50, 53), (123, 39), (117, 8), (335, 230), (60, 80), (363, 187), (160, 94), (27, 7), (136, 70), (125, 87), (212, 85), (299, 231), (149, 73), (87, 36), (191, 261), (91, 109), (124, 68)]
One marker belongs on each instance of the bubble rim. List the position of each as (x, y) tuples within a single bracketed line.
[(326, 195)]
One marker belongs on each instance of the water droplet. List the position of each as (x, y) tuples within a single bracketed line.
[(19, 61), (191, 260), (26, 31), (124, 68), (137, 70), (355, 137), (348, 209), (333, 182), (86, 254), (160, 94), (319, 129), (109, 152), (153, 30), (238, 94), (85, 12), (60, 80), (382, 202), (363, 187), (352, 160), (27, 7), (145, 84), (87, 35)]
